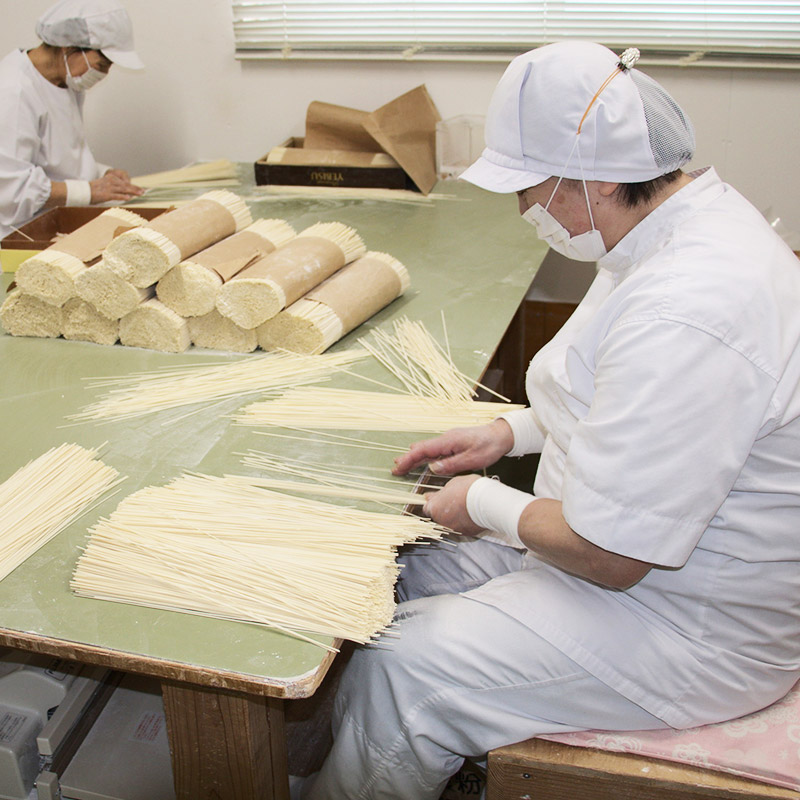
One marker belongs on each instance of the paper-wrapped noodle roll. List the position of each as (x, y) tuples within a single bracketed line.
[(51, 274), (84, 323), (154, 326), (216, 332), (191, 287), (145, 254), (25, 315), (259, 292), (112, 296), (337, 306)]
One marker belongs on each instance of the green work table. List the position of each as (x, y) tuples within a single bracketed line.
[(224, 683)]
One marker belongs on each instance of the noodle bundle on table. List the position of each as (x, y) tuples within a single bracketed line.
[(84, 323), (260, 291), (223, 547), (111, 295), (191, 287), (156, 327), (25, 315), (51, 274), (40, 499), (338, 305), (144, 255)]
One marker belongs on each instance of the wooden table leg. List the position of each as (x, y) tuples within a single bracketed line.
[(225, 744)]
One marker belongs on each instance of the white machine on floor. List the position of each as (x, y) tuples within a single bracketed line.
[(72, 732)]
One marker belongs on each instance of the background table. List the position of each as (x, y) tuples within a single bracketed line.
[(469, 256)]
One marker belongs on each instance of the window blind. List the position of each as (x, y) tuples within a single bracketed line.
[(442, 29)]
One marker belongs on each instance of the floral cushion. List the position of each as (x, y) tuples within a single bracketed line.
[(764, 746)]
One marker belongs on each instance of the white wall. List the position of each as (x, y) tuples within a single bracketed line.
[(196, 101)]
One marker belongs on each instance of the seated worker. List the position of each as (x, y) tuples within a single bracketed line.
[(652, 578), (44, 158)]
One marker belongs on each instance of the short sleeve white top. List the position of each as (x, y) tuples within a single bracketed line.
[(670, 411)]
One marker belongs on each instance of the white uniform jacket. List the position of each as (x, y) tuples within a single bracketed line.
[(41, 140), (668, 413)]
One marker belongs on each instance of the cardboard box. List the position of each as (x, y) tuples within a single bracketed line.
[(42, 231), (291, 164), (393, 147)]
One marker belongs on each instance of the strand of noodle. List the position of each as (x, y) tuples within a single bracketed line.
[(420, 362), (355, 443)]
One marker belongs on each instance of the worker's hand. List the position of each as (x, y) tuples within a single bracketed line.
[(448, 505), (115, 185), (459, 450)]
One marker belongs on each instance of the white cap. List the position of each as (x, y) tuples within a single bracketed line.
[(633, 132), (92, 24)]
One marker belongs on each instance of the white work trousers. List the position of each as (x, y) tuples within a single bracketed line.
[(461, 678)]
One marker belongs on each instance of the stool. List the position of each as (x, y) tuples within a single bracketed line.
[(658, 765), (538, 769)]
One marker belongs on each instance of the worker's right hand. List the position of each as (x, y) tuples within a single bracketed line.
[(459, 450), (115, 185)]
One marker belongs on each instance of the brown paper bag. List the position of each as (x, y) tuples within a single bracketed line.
[(330, 127), (406, 130)]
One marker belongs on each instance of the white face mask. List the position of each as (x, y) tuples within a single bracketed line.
[(80, 83), (587, 246)]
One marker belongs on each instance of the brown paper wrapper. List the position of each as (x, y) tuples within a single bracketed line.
[(406, 129), (195, 226), (331, 127), (298, 266), (88, 242), (233, 254), (358, 291)]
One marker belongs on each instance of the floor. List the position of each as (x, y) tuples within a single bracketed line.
[(467, 784)]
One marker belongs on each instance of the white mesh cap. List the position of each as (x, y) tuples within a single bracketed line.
[(93, 24), (633, 132)]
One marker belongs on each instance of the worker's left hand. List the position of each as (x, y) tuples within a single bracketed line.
[(115, 185), (448, 505)]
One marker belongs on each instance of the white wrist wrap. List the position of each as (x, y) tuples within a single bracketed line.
[(496, 507), (528, 436), (79, 193)]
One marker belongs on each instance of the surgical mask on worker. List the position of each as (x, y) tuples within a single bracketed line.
[(587, 246), (80, 83)]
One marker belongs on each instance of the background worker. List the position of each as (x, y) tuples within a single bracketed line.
[(45, 160), (651, 579)]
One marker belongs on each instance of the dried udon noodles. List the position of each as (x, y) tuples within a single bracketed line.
[(83, 322), (437, 396), (156, 327), (223, 547), (337, 306), (145, 393), (110, 294), (40, 499), (51, 274), (351, 409), (260, 291), (143, 255), (215, 332), (191, 287), (324, 480), (25, 315)]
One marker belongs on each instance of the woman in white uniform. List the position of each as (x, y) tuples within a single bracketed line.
[(651, 579), (44, 158)]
